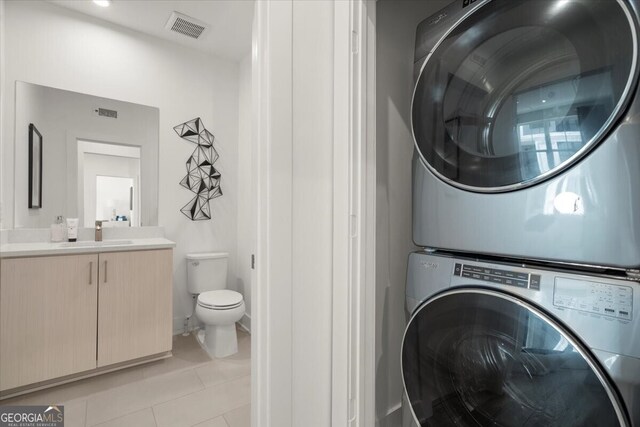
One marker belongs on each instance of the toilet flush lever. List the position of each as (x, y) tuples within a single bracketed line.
[(195, 263)]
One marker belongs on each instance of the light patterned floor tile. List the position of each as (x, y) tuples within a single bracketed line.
[(205, 404), (187, 353), (142, 418), (240, 417), (75, 413), (221, 370), (214, 422), (124, 398), (120, 401)]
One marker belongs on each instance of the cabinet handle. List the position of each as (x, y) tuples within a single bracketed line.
[(91, 273), (105, 271)]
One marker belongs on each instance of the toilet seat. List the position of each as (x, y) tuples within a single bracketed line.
[(223, 299)]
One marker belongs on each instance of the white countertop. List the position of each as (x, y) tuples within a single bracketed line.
[(13, 250)]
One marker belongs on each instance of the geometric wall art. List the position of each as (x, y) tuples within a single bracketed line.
[(202, 178)]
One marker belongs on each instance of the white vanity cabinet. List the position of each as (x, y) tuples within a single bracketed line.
[(82, 314)]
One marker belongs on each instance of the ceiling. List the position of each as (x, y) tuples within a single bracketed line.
[(230, 21)]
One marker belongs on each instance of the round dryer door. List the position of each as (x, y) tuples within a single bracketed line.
[(476, 357), (519, 90)]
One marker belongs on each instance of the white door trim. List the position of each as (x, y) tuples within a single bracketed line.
[(354, 166), (271, 343), (345, 219), (367, 97), (353, 247)]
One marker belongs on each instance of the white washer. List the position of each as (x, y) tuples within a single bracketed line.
[(506, 345), (526, 122)]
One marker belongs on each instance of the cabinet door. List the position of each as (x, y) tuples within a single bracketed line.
[(134, 305), (48, 315)]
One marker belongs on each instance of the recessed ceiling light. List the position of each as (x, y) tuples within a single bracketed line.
[(102, 3)]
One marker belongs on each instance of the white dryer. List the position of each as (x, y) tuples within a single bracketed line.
[(526, 122), (495, 344)]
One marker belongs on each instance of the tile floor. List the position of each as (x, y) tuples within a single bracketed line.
[(188, 389)]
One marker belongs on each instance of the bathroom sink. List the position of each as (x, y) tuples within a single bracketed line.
[(89, 243)]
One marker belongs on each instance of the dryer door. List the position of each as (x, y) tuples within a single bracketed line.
[(519, 90), (479, 357)]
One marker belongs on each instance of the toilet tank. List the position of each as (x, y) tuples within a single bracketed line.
[(206, 272)]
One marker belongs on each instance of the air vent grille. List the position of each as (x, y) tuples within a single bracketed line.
[(107, 113), (187, 28), (186, 25)]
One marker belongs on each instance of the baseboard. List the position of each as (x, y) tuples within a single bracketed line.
[(18, 391), (178, 325), (245, 322)]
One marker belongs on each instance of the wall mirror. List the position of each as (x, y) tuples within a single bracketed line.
[(99, 162)]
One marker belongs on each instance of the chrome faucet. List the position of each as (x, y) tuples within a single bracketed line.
[(98, 231)]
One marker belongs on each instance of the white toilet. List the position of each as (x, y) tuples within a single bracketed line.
[(217, 308)]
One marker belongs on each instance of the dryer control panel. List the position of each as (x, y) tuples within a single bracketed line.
[(594, 297), (498, 276)]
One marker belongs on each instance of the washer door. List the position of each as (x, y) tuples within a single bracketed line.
[(520, 89), (477, 357)]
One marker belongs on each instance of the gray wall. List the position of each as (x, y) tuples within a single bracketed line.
[(395, 28)]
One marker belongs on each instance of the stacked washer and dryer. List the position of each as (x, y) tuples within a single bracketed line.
[(525, 300)]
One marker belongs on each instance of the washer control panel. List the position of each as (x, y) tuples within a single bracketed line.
[(593, 297), (498, 276)]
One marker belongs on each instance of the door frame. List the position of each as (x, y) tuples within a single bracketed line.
[(271, 346), (353, 175), (353, 369)]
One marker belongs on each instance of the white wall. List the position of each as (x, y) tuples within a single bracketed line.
[(246, 192), (395, 27), (64, 49)]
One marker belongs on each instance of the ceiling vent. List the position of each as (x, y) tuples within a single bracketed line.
[(186, 25)]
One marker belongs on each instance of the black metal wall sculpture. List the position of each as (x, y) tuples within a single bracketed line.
[(202, 178)]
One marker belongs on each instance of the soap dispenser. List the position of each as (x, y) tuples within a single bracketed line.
[(57, 229)]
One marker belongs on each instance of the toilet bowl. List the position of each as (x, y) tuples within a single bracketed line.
[(217, 308), (219, 311)]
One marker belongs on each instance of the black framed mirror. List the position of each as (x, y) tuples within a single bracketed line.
[(35, 167)]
